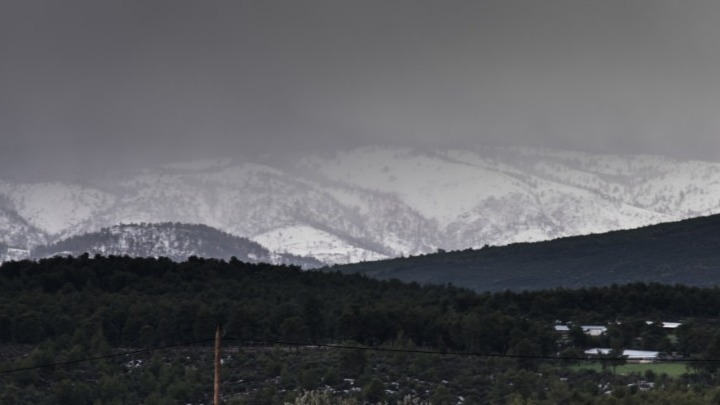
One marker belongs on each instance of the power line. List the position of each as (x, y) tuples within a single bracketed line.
[(348, 347), (462, 354)]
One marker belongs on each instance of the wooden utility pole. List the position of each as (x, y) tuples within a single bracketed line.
[(218, 335)]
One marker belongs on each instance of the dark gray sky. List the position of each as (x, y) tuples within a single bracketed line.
[(88, 84)]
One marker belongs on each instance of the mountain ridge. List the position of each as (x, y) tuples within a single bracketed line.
[(374, 203), (682, 252)]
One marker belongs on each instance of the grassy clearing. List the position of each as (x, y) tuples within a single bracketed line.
[(671, 369)]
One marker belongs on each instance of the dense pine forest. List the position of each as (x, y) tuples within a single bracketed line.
[(115, 330)]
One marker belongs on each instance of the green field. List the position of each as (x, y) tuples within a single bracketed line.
[(671, 369)]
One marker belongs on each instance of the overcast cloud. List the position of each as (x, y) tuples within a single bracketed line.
[(92, 84)]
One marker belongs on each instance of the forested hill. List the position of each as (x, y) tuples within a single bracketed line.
[(684, 252), (181, 302), (176, 241)]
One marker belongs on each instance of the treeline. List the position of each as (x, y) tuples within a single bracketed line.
[(61, 309), (143, 301), (140, 302)]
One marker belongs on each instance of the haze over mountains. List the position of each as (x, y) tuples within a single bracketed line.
[(374, 202)]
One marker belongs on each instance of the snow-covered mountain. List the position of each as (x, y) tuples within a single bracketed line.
[(376, 202)]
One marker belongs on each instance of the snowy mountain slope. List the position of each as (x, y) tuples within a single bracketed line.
[(16, 232), (55, 208), (326, 247), (650, 182), (245, 199), (376, 202), (496, 196), (438, 188)]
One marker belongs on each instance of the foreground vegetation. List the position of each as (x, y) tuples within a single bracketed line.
[(675, 369), (491, 348)]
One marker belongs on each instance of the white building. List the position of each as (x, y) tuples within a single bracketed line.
[(594, 330), (639, 356)]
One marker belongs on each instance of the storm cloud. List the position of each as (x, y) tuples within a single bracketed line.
[(89, 84)]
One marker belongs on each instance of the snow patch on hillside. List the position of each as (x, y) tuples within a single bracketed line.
[(302, 240)]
